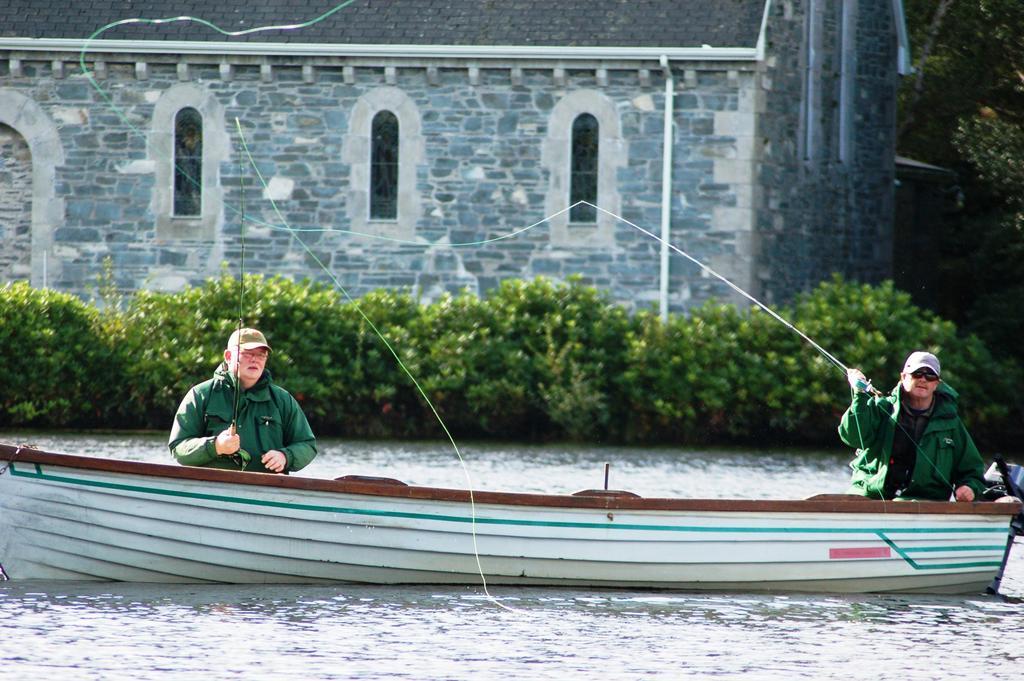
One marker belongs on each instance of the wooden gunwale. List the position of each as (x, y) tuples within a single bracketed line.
[(823, 504)]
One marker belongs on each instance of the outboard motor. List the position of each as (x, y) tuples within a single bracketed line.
[(1005, 480)]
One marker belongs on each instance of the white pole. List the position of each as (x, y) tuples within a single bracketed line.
[(666, 186)]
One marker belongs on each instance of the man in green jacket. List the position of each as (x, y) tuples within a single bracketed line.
[(911, 444), (271, 434)]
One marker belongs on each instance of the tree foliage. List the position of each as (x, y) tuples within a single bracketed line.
[(964, 109)]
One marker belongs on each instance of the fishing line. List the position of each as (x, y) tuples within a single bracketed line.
[(120, 114), (867, 386), (401, 364), (829, 356), (325, 15), (167, 20), (294, 232)]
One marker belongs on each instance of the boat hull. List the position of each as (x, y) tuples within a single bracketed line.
[(77, 518)]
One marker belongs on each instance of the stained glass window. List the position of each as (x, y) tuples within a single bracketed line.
[(583, 181), (384, 167), (188, 163)]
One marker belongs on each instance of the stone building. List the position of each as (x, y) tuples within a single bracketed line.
[(394, 144)]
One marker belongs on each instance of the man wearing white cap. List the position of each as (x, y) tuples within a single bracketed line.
[(911, 444), (261, 429)]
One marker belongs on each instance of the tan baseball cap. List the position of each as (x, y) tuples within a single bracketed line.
[(247, 339)]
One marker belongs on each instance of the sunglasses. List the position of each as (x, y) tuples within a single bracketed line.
[(926, 375)]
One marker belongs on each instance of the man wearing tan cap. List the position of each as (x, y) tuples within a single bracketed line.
[(911, 444), (260, 429)]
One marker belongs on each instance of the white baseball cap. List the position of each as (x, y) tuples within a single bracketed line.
[(921, 360)]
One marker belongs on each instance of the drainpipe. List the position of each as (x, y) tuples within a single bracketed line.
[(666, 186)]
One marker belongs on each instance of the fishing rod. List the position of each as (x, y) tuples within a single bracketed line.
[(243, 455), (860, 382)]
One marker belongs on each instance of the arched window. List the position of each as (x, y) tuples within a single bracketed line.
[(583, 178), (384, 150), (581, 123), (188, 163), (384, 167)]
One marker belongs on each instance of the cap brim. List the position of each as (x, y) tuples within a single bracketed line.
[(253, 346)]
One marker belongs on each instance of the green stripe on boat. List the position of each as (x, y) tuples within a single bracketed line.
[(39, 474)]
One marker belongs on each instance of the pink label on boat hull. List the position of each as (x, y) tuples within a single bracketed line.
[(860, 552)]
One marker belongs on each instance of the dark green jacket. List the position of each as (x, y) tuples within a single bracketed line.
[(946, 455), (268, 418)]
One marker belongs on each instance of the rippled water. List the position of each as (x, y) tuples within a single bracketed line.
[(132, 631)]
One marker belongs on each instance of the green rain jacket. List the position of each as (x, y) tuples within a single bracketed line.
[(268, 418), (946, 455)]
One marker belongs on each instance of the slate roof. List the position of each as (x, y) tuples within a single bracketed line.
[(568, 23)]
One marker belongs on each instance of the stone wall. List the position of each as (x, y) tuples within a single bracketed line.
[(482, 148), (771, 195), (828, 203)]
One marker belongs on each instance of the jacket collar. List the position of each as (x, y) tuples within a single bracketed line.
[(260, 391)]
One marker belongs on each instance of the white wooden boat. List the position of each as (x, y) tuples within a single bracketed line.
[(82, 518)]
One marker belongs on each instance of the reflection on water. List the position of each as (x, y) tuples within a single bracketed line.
[(146, 631), (139, 631)]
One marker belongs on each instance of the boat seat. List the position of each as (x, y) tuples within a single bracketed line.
[(838, 497), (613, 493), (371, 480)]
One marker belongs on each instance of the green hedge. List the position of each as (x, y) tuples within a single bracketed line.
[(534, 360), (54, 359)]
